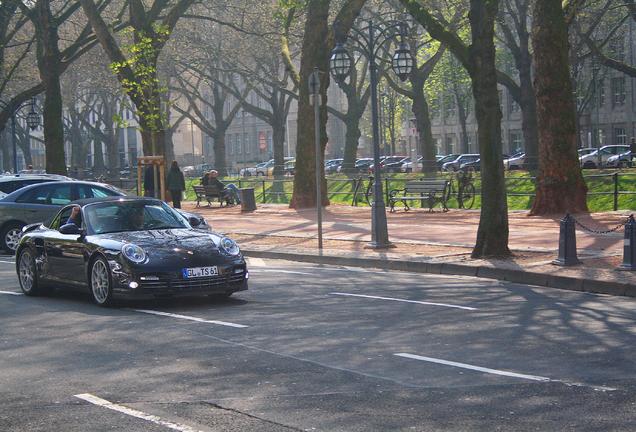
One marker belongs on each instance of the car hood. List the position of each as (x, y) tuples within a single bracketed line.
[(170, 240)]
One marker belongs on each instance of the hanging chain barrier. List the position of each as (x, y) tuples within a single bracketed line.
[(601, 231)]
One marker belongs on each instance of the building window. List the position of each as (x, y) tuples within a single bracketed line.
[(601, 137), (617, 48), (501, 107), (620, 137), (618, 91), (450, 108), (513, 105), (516, 141), (438, 145), (450, 143), (601, 92)]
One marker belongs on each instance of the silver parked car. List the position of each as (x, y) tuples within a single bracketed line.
[(598, 158), (12, 182), (454, 165)]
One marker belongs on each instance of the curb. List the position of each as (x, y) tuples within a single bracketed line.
[(568, 283)]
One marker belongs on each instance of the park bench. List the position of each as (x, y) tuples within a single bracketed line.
[(431, 191), (208, 193)]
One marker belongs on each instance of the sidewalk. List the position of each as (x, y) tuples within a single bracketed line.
[(432, 243)]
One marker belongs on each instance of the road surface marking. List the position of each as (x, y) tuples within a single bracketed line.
[(256, 262), (260, 270), (7, 262), (189, 318), (498, 372), (11, 293), (133, 412), (404, 301)]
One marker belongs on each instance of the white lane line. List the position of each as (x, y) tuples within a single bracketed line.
[(133, 412), (11, 293), (256, 262), (260, 270), (498, 372), (189, 318), (404, 301), (7, 262)]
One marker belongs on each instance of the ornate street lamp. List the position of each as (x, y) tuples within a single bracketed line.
[(370, 40), (32, 120)]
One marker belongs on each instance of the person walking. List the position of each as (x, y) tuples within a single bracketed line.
[(176, 184)]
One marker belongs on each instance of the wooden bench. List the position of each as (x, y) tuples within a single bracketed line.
[(208, 193), (430, 190)]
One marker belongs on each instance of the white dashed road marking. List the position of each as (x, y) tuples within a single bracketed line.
[(256, 262), (133, 413), (11, 293), (497, 371), (404, 301), (260, 270), (189, 318)]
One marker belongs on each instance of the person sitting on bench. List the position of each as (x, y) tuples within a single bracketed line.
[(230, 191)]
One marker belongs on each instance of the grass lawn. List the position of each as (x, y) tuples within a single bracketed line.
[(520, 187)]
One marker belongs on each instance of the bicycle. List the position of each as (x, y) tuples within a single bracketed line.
[(463, 183)]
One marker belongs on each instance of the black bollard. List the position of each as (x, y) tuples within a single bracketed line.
[(567, 243), (629, 250)]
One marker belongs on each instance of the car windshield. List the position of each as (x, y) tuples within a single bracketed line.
[(118, 216)]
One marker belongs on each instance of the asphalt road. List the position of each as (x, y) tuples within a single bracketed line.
[(321, 348)]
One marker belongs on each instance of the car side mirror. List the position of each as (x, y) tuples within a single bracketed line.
[(71, 229), (194, 221)]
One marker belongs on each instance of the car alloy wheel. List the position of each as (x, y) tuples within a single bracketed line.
[(27, 273), (101, 282), (11, 236)]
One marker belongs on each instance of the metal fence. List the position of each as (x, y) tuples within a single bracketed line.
[(352, 190)]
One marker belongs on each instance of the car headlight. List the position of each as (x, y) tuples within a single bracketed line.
[(134, 253), (229, 246)]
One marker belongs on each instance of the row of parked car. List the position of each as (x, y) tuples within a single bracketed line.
[(612, 156)]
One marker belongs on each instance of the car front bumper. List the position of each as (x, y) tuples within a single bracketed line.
[(148, 285)]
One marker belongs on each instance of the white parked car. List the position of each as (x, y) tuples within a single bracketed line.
[(515, 161), (623, 160), (459, 161), (252, 171), (599, 158)]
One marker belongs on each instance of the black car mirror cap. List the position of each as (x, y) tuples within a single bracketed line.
[(72, 229), (194, 221)]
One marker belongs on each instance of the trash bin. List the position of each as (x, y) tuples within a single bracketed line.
[(248, 201)]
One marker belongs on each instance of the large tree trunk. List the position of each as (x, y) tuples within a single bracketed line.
[(219, 152), (98, 158), (278, 143), (492, 234), (560, 185), (48, 59), (425, 143), (315, 54)]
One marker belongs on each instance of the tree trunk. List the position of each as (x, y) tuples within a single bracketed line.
[(48, 60), (5, 140), (492, 234), (425, 143), (461, 116), (315, 54), (112, 152), (219, 152), (528, 106), (278, 143), (560, 185), (352, 141), (98, 158)]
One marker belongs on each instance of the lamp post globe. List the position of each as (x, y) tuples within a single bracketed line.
[(33, 120), (402, 62), (340, 62)]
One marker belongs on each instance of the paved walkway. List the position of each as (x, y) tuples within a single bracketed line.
[(433, 242)]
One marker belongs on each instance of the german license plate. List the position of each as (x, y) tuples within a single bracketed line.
[(199, 272)]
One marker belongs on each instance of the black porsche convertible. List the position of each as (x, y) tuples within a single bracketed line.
[(128, 247)]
